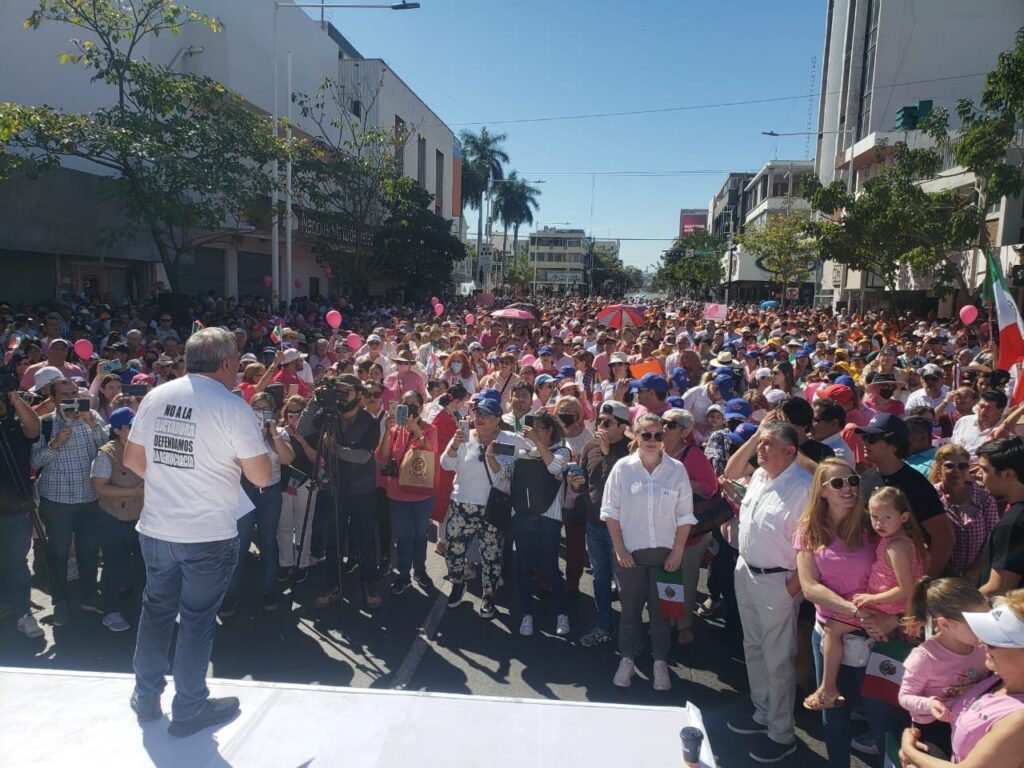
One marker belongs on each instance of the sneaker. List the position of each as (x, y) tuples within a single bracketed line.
[(662, 680), (399, 585), (146, 711), (526, 626), (270, 602), (624, 674), (91, 604), (61, 614), (300, 575), (283, 572), (596, 636), (455, 596), (227, 608), (768, 751), (864, 744), (29, 627), (324, 599), (562, 625), (115, 622), (745, 725), (424, 581), (487, 607), (214, 712)]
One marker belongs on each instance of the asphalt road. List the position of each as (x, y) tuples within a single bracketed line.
[(415, 642)]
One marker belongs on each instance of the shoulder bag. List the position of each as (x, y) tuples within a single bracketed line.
[(498, 510)]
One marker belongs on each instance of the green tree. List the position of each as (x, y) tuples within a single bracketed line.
[(694, 262), (522, 204), (186, 157), (520, 273), (783, 246), (483, 161)]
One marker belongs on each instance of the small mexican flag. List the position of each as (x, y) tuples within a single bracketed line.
[(892, 752), (277, 334), (196, 327), (14, 341), (670, 593), (884, 672)]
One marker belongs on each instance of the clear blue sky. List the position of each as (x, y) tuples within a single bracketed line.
[(484, 62)]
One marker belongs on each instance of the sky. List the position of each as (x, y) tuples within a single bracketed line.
[(485, 62)]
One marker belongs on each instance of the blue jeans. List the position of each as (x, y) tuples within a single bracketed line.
[(15, 580), (120, 541), (65, 522), (602, 561), (265, 517), (189, 579), (409, 521), (537, 541), (835, 723)]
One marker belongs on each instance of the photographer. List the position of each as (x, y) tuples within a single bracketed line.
[(19, 427), (354, 436), (70, 438)]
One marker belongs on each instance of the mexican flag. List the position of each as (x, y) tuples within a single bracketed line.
[(892, 752), (670, 593), (14, 341), (1011, 329), (884, 672), (277, 334), (196, 327)]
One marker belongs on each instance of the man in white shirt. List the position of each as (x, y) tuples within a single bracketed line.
[(767, 586), (972, 431), (191, 441), (932, 393)]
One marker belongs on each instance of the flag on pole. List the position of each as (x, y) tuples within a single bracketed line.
[(1011, 329), (892, 752), (196, 327), (884, 671), (277, 334), (15, 340), (670, 593)]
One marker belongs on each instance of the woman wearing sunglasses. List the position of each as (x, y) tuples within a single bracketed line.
[(970, 508), (648, 506)]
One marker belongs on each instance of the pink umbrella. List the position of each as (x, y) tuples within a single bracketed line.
[(620, 316), (512, 314)]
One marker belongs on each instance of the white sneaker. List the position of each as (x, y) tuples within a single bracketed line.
[(29, 627), (624, 674), (662, 680), (562, 625), (526, 626)]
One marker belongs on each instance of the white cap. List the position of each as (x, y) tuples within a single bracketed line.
[(291, 355), (46, 375), (763, 373), (1000, 627), (373, 337), (775, 396)]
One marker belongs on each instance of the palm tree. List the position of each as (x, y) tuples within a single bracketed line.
[(523, 204), (505, 208), (484, 160)]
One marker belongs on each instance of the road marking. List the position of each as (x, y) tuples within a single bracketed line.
[(419, 646)]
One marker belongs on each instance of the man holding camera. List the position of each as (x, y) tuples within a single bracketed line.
[(70, 438)]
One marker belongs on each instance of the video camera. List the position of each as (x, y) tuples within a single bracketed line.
[(327, 395)]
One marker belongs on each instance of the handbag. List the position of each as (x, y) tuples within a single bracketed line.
[(533, 487), (498, 510), (416, 472), (710, 513)]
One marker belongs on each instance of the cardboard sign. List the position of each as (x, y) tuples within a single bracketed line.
[(650, 365), (716, 312)]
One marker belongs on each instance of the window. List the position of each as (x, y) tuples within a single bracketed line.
[(421, 161), (438, 181), (400, 141)]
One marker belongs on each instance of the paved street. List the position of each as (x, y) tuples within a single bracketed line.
[(465, 655)]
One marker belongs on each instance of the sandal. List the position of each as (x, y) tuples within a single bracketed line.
[(325, 599), (818, 701)]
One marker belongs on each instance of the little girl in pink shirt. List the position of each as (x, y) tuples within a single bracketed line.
[(949, 661)]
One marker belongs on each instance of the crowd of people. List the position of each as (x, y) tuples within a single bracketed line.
[(864, 472)]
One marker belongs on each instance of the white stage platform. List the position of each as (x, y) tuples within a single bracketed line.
[(55, 718)]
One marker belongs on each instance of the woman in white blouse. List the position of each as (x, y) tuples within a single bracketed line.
[(648, 506)]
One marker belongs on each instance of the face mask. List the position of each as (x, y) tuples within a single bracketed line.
[(886, 392), (456, 366)]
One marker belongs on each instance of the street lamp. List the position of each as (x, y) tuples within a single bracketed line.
[(275, 247)]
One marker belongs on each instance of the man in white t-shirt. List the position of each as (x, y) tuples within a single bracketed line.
[(191, 442)]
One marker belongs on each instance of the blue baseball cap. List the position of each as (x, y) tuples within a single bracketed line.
[(122, 417), (566, 372), (488, 406), (680, 378), (490, 393), (724, 382), (651, 381), (738, 408), (823, 365), (846, 381), (743, 432), (802, 353), (675, 401), (543, 379), (546, 350), (884, 423)]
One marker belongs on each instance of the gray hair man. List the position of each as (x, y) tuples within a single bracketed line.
[(191, 442)]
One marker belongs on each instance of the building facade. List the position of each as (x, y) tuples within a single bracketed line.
[(559, 260)]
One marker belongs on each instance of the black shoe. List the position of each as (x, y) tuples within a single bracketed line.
[(227, 608), (215, 712), (399, 585), (283, 572), (270, 602), (745, 725), (61, 614), (300, 575), (424, 581), (487, 607), (768, 751), (146, 711), (455, 596)]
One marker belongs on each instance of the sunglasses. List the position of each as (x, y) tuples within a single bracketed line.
[(961, 465), (839, 482), (649, 436), (605, 422), (373, 395), (670, 424)]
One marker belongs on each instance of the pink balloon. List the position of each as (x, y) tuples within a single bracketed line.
[(968, 314), (84, 349), (298, 282), (470, 319), (160, 285), (434, 301), (529, 360), (334, 318), (267, 281), (354, 341), (984, 329), (438, 309)]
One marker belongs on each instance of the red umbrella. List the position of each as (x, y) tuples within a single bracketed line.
[(620, 316), (512, 314)]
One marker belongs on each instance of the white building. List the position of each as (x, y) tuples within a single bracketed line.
[(880, 58), (559, 260), (50, 243)]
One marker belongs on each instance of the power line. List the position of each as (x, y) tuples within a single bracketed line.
[(642, 174), (691, 107)]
